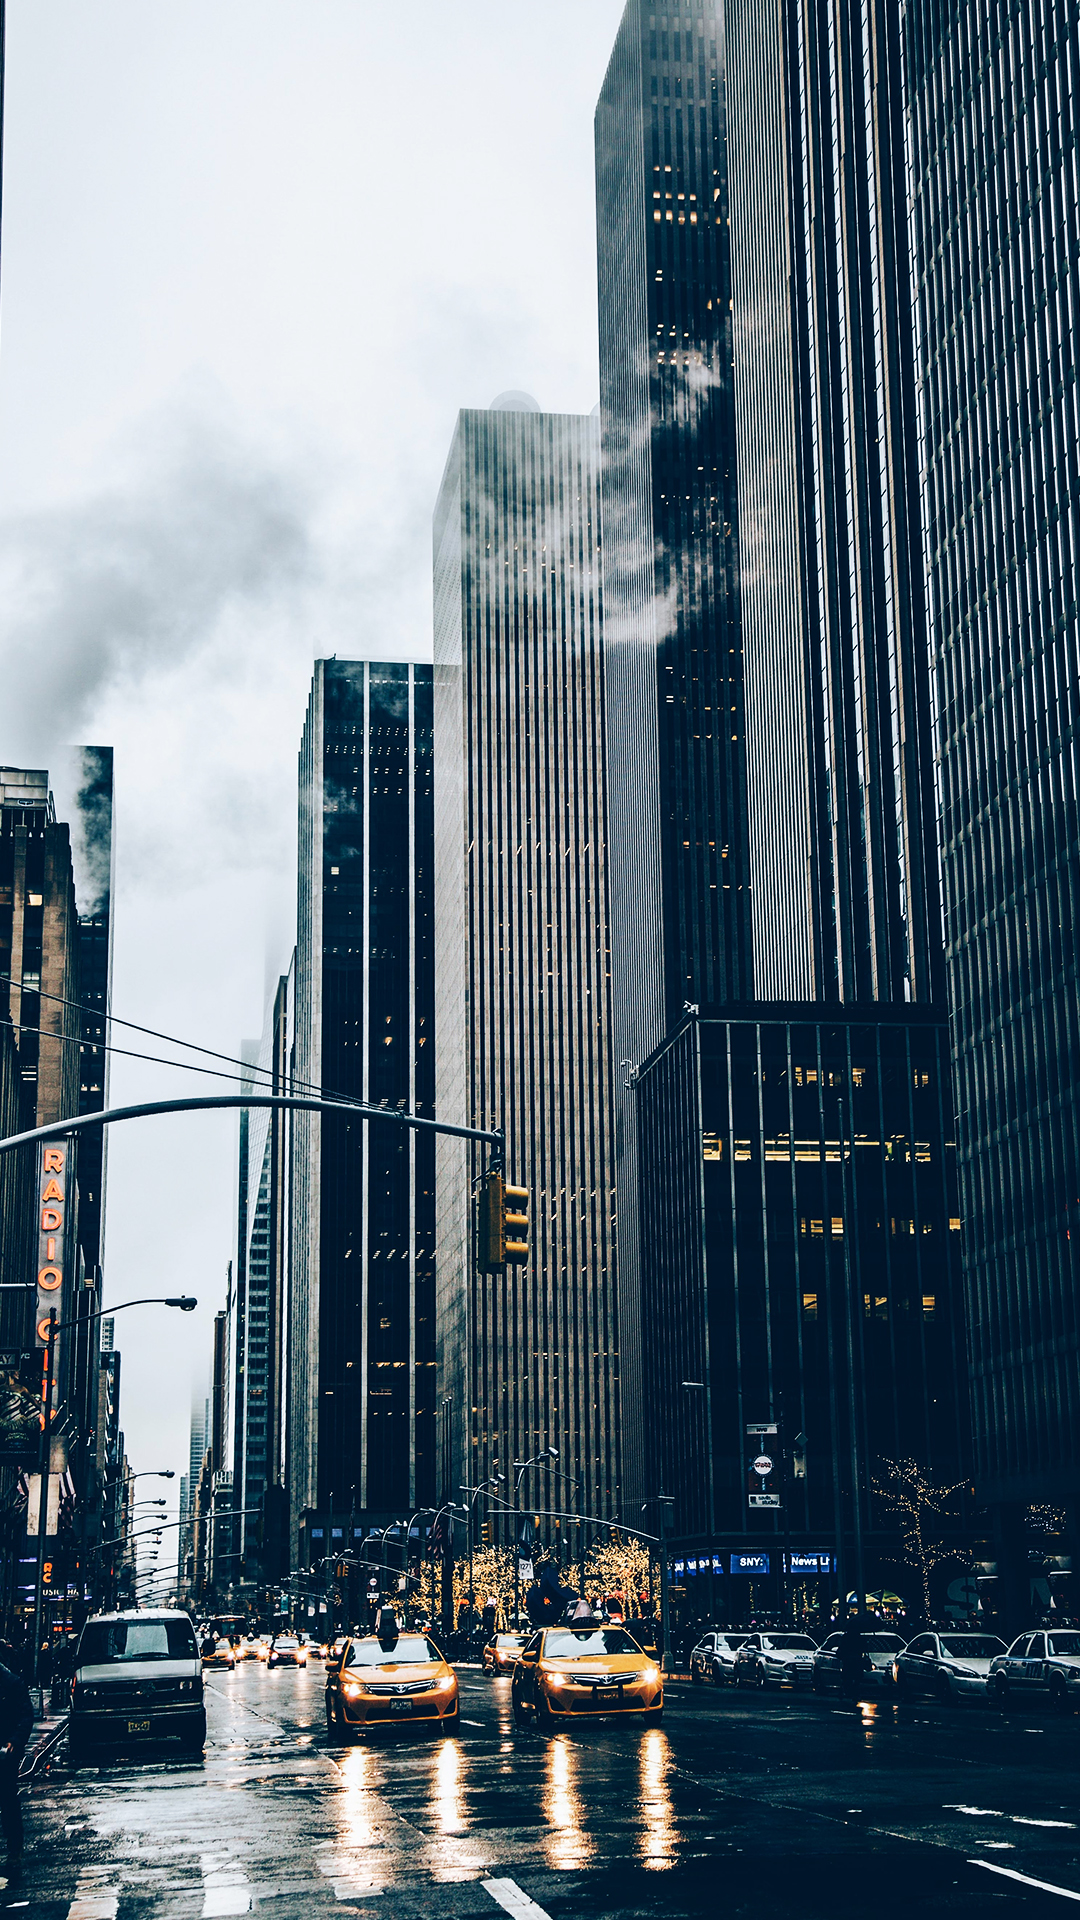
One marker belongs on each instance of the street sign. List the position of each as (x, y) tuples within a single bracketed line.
[(769, 1427), (764, 1500), (763, 1465)]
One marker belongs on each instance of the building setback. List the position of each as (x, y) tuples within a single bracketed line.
[(361, 1315), (528, 1358), (993, 128)]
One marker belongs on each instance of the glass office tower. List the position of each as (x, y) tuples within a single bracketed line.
[(753, 276), (801, 1241), (528, 1358), (361, 1326), (996, 228)]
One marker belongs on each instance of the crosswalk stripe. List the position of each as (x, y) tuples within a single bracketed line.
[(514, 1899), (93, 1900), (1025, 1879), (225, 1886)]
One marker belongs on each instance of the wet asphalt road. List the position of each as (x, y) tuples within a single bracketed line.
[(776, 1807)]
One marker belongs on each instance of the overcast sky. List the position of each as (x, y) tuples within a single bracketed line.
[(255, 255)]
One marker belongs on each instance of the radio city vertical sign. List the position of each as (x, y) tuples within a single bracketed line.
[(52, 1235)]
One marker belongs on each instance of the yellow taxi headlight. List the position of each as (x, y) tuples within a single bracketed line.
[(554, 1678), (445, 1683), (352, 1688)]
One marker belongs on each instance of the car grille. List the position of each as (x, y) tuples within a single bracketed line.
[(398, 1686), (134, 1693)]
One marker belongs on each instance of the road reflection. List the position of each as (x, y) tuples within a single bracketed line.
[(658, 1840), (350, 1865), (566, 1844), (447, 1803)]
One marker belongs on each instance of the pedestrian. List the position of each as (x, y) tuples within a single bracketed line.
[(16, 1724)]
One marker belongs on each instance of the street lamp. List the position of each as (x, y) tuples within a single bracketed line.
[(50, 1329), (494, 1480), (521, 1468)]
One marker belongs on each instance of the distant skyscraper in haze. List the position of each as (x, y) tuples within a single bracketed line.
[(993, 132), (261, 1254), (528, 1358), (361, 1314)]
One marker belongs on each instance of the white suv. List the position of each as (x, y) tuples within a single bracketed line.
[(138, 1679)]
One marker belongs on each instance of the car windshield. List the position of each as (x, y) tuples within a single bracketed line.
[(883, 1643), (588, 1643), (286, 1641), (971, 1646), (411, 1650), (786, 1642), (509, 1639), (733, 1640), (105, 1642), (1065, 1643)]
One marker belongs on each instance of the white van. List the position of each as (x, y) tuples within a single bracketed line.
[(138, 1680)]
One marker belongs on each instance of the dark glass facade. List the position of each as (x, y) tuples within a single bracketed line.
[(764, 615), (529, 1358), (678, 848), (996, 226), (360, 1363), (801, 1252)]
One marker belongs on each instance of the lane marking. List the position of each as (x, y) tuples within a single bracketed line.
[(1020, 1820), (995, 1813), (1025, 1879), (225, 1886), (515, 1900), (472, 1723)]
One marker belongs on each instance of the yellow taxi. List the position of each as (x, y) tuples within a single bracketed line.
[(584, 1668), (402, 1680), (503, 1650)]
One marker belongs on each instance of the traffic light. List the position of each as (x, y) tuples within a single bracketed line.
[(503, 1225), (485, 1533)]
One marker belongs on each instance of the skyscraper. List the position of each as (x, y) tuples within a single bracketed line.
[(529, 1358), (810, 1062), (996, 226), (361, 1313), (262, 1246)]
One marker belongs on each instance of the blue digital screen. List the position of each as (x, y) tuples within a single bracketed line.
[(749, 1563)]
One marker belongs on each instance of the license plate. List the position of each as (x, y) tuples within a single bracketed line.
[(401, 1706), (138, 1726)]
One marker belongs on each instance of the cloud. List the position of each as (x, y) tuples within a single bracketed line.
[(201, 525)]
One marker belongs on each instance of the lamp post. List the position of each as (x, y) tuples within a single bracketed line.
[(186, 1305), (663, 1501), (521, 1468), (494, 1480)]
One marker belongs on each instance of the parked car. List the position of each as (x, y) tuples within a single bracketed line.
[(779, 1659), (286, 1650), (138, 1680), (879, 1650), (1038, 1663), (714, 1657), (948, 1665)]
